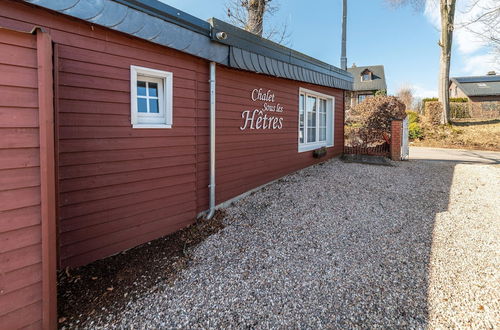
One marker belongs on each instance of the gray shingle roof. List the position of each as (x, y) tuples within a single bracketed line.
[(162, 24), (479, 85), (377, 82)]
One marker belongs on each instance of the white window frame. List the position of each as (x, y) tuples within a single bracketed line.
[(163, 119), (330, 121)]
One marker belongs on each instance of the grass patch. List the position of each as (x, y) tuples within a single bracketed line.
[(477, 134)]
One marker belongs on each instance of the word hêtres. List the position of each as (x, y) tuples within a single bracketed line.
[(258, 120)]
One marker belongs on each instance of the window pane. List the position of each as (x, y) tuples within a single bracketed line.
[(142, 105), (322, 105), (311, 134), (322, 133), (311, 104), (141, 88), (322, 119), (153, 89), (153, 106), (311, 119), (301, 110), (301, 134)]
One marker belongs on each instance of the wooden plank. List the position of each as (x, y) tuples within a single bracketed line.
[(19, 158), (103, 229), (122, 189), (19, 218), (19, 138), (137, 207), (47, 179), (20, 278), (90, 170), (17, 76), (21, 258), (18, 97), (76, 184), (17, 56), (123, 143), (19, 178), (22, 317), (20, 298), (20, 238), (18, 117), (141, 235), (15, 199), (104, 156)]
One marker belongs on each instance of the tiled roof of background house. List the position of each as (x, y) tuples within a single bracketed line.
[(479, 85), (377, 82)]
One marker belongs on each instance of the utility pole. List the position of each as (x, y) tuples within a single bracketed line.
[(343, 58)]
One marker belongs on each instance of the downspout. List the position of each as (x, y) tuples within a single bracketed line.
[(211, 186)]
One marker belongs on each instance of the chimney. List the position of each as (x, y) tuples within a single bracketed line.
[(491, 73), (343, 56)]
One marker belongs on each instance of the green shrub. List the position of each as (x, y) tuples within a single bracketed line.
[(413, 117), (415, 131), (459, 99), (381, 92), (429, 99)]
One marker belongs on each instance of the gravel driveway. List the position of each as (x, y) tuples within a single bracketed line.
[(342, 245)]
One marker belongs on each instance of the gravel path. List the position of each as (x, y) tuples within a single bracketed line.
[(343, 246)]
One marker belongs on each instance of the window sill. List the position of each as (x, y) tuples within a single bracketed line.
[(151, 126), (309, 147)]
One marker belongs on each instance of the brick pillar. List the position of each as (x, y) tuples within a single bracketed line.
[(396, 127)]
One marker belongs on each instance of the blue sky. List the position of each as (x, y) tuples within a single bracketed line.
[(402, 39)]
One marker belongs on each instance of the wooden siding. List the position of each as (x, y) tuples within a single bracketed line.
[(20, 215), (118, 187), (250, 158)]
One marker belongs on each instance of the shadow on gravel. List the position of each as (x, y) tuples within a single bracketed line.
[(106, 286), (358, 257)]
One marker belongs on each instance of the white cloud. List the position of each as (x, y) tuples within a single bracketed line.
[(422, 92), (471, 47), (477, 65)]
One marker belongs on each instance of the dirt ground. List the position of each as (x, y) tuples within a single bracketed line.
[(107, 283), (476, 134)]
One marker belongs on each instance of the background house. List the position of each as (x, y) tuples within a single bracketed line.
[(478, 88), (367, 81), (482, 94)]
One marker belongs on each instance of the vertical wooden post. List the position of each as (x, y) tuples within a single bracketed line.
[(396, 127), (47, 179)]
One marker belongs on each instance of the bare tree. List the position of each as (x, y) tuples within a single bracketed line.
[(484, 22), (447, 14), (251, 16), (405, 95)]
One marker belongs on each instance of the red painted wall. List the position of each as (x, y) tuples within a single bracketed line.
[(20, 217), (119, 187), (246, 159)]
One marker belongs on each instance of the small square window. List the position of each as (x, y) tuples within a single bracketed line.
[(151, 98)]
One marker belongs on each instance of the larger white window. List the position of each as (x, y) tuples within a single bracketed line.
[(151, 98), (316, 118)]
